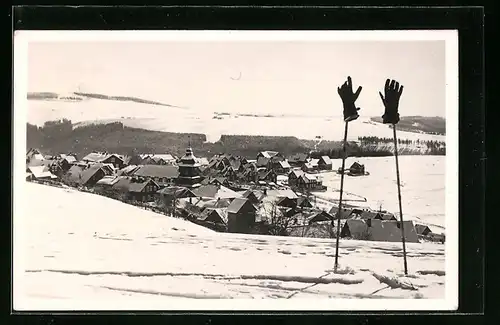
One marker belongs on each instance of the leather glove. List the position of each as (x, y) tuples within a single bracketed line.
[(393, 93), (348, 99)]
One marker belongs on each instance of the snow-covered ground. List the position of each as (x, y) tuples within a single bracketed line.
[(422, 186), (78, 250), (199, 120)]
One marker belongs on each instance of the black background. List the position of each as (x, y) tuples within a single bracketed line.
[(468, 21)]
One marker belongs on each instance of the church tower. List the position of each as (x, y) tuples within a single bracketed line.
[(189, 170)]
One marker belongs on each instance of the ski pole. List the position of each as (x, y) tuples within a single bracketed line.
[(340, 198), (399, 198)]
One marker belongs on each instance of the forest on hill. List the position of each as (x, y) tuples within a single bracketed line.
[(61, 137)]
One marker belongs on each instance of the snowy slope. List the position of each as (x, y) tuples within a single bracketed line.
[(174, 119), (78, 248)]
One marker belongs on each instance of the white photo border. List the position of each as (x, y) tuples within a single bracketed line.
[(450, 301)]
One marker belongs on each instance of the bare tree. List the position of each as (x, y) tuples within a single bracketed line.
[(277, 220)]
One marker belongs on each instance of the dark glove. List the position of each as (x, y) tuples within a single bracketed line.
[(393, 92), (348, 99)]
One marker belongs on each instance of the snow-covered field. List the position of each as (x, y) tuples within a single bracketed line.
[(173, 119), (422, 191), (77, 250)]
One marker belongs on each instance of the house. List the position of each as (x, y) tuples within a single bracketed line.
[(214, 215), (87, 175), (169, 194), (286, 202), (267, 176), (202, 161), (215, 192), (303, 202), (34, 154), (265, 157), (92, 174), (105, 184), (378, 230), (311, 165), (66, 161), (219, 181), (309, 182), (128, 171), (298, 160), (279, 193), (230, 173), (321, 217), (40, 173), (155, 159), (385, 216), (241, 216), (163, 175), (253, 196), (95, 156), (281, 167), (346, 212), (357, 169), (355, 229), (137, 188), (116, 160), (325, 163), (422, 229), (214, 203), (293, 176)]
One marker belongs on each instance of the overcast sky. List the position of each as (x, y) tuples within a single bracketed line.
[(275, 77)]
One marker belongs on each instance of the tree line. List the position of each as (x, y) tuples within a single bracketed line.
[(62, 136)]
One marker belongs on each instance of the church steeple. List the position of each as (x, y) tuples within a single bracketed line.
[(189, 172)]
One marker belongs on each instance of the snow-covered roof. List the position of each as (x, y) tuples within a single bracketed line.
[(41, 172)]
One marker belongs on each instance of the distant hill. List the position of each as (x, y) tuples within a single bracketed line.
[(420, 124), (79, 96)]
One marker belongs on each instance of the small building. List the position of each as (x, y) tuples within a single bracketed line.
[(137, 188), (253, 196), (217, 216), (286, 202), (303, 202), (378, 230), (268, 176), (116, 160), (40, 173), (266, 157), (310, 166), (241, 216), (321, 217), (219, 181), (308, 182), (422, 229), (357, 169), (163, 175), (282, 167), (34, 154), (293, 176), (385, 216), (298, 160), (215, 192), (169, 194), (346, 212), (325, 163)]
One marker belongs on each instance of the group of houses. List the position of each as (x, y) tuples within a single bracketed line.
[(226, 193)]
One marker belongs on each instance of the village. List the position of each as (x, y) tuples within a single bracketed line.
[(268, 195)]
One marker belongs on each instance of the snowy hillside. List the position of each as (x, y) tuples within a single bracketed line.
[(175, 119), (81, 250)]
